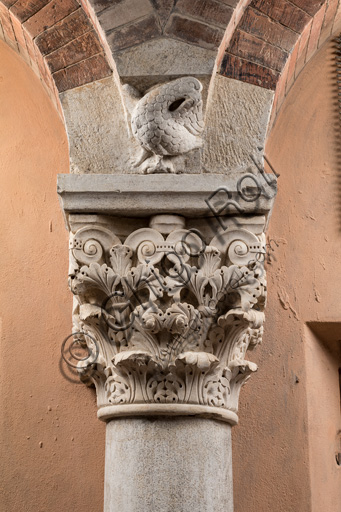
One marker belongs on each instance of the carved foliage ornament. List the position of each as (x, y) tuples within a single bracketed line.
[(172, 318)]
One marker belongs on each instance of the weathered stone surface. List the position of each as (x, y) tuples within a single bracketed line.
[(144, 195), (99, 138), (168, 465), (236, 128), (165, 57)]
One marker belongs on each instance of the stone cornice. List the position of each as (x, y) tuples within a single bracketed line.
[(185, 194)]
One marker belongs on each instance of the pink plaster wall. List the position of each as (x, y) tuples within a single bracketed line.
[(276, 467), (283, 409), (37, 404)]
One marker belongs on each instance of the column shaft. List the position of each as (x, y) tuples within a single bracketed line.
[(168, 465)]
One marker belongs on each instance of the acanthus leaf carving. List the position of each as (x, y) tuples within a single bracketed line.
[(172, 320)]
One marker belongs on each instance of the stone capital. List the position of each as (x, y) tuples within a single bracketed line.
[(166, 304)]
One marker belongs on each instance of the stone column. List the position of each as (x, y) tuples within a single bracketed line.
[(168, 299)]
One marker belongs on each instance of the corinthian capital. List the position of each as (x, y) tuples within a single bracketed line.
[(167, 305)]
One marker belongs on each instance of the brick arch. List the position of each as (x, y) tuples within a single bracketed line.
[(275, 39), (58, 39)]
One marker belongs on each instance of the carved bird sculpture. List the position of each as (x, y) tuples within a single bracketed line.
[(167, 122)]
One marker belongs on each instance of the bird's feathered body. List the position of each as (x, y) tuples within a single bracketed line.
[(168, 120)]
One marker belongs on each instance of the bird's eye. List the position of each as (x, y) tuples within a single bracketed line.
[(176, 104)]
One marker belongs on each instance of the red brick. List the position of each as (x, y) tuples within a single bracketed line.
[(134, 33), (284, 12), (315, 33), (24, 9), (255, 50), (262, 26), (69, 28), (7, 26), (8, 3), (18, 30), (292, 67), (302, 50), (79, 49), (209, 11), (50, 15), (239, 69), (30, 46), (194, 32), (328, 20), (281, 86), (309, 6), (82, 73)]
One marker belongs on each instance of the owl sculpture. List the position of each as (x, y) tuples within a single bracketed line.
[(167, 122)]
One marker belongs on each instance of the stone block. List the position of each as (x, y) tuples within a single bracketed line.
[(170, 57), (237, 118)]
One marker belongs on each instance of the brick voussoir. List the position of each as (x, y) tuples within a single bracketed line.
[(82, 73), (245, 71), (260, 25), (77, 50), (284, 12), (256, 50), (25, 9), (49, 15), (68, 29)]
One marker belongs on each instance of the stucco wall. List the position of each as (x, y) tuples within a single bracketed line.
[(37, 404), (52, 445), (278, 455)]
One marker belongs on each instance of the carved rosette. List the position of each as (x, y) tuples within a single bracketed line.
[(167, 319)]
